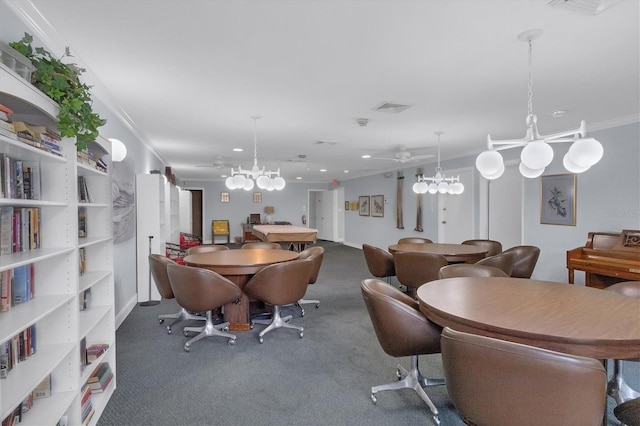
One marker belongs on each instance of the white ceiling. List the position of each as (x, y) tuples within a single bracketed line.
[(188, 75)]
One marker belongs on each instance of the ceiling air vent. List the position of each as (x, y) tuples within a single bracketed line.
[(589, 7), (391, 107), (328, 143)]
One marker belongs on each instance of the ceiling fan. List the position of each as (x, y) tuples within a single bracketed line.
[(219, 162), (402, 154)]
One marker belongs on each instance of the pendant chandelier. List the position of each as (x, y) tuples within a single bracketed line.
[(438, 183), (264, 179), (536, 153)]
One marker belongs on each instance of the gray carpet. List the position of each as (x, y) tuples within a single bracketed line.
[(322, 379)]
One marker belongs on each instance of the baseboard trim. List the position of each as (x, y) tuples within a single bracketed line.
[(358, 246), (126, 310)]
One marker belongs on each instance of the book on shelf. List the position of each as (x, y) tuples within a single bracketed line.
[(22, 287), (100, 372), (43, 390), (102, 384), (5, 290), (31, 180), (6, 230), (83, 354), (83, 299), (20, 179), (96, 350), (82, 260), (84, 196), (17, 349), (82, 222)]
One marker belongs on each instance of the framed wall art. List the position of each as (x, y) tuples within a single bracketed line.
[(224, 197), (377, 205), (363, 202), (558, 199), (346, 205), (257, 197)]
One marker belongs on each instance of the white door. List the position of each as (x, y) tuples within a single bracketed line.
[(322, 213), (455, 212), (505, 207)]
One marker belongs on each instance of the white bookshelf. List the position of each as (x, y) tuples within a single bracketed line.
[(54, 309), (151, 220)]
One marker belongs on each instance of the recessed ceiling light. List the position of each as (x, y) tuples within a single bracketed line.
[(238, 149), (224, 176), (346, 171), (298, 177), (366, 156), (323, 170), (558, 113)]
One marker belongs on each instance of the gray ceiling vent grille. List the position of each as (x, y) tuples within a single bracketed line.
[(589, 7), (391, 107), (329, 143)]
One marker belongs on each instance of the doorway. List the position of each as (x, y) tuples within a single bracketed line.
[(456, 212), (326, 214), (196, 212)]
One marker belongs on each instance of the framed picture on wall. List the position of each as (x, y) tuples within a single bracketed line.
[(558, 199), (257, 197), (363, 202), (224, 197), (377, 205), (353, 205), (346, 205)]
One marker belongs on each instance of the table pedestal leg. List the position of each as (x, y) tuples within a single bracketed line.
[(237, 314)]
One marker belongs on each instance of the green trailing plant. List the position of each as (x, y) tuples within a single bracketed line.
[(61, 82)]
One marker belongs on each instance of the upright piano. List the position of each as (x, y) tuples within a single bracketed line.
[(607, 258)]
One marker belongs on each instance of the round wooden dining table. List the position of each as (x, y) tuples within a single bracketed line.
[(566, 318), (238, 266), (454, 253)]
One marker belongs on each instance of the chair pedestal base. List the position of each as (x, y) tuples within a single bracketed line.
[(412, 379), (301, 302), (276, 322), (617, 387), (208, 330), (183, 315)]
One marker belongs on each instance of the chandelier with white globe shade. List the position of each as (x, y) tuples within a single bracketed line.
[(438, 183), (537, 153), (264, 179)]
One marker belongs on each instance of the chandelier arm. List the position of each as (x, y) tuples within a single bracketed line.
[(582, 131)]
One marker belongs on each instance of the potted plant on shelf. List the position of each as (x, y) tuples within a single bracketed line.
[(61, 82)]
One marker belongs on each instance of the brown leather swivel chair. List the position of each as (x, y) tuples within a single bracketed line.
[(402, 330), (414, 240), (316, 255), (504, 261), (199, 289), (379, 262), (158, 264), (202, 248), (493, 247), (495, 382), (470, 270), (279, 284), (526, 259), (617, 386), (628, 412), (416, 268), (261, 245)]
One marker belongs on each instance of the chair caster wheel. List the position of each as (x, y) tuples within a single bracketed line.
[(398, 374), (161, 320), (186, 333), (231, 342), (261, 340), (168, 329), (317, 305), (374, 399), (225, 328), (187, 347), (302, 313), (301, 334)]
